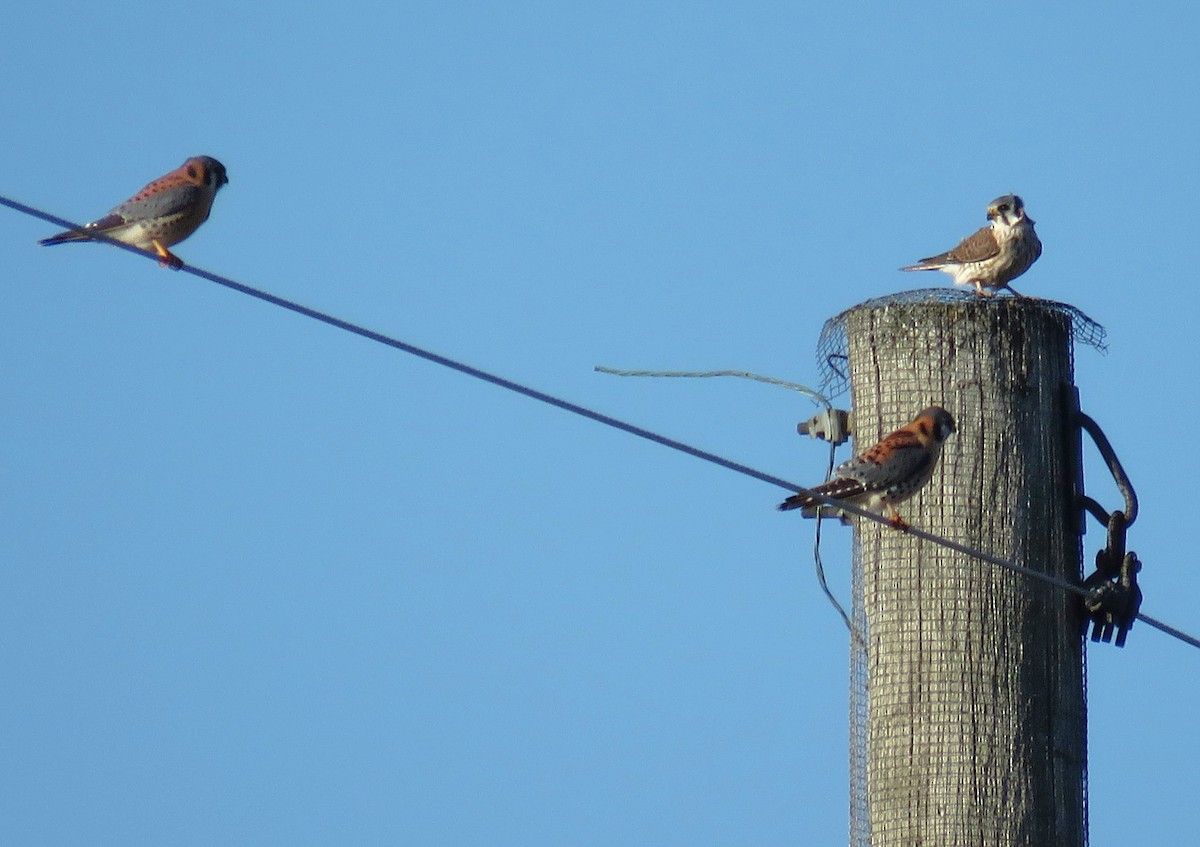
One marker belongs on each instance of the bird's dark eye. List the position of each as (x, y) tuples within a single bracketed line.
[(1003, 207), (191, 171)]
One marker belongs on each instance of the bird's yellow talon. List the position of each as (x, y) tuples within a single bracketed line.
[(166, 259)]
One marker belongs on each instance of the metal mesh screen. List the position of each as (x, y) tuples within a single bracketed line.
[(832, 347), (967, 701), (860, 822)]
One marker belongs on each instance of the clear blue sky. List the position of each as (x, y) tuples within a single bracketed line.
[(264, 582)]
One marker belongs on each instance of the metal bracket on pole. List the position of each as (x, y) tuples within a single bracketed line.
[(834, 426), (1113, 597)]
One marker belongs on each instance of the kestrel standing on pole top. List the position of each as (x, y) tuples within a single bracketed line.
[(890, 472), (993, 256), (165, 212)]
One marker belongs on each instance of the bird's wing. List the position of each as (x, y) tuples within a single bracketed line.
[(898, 457), (110, 223), (159, 199), (156, 200), (840, 488), (974, 248)]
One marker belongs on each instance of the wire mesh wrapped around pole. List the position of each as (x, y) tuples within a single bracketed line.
[(968, 708)]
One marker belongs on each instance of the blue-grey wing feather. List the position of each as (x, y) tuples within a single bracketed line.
[(903, 462), (178, 200)]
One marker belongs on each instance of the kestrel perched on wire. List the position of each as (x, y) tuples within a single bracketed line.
[(165, 212), (996, 254), (890, 472)]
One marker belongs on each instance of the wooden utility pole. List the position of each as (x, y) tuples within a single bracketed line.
[(969, 679)]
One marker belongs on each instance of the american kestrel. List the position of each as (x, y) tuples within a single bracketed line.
[(996, 254), (163, 213), (890, 472)]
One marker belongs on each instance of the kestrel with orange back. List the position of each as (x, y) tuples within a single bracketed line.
[(890, 472), (165, 212), (996, 254)]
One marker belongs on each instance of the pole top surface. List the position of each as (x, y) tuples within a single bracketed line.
[(832, 347)]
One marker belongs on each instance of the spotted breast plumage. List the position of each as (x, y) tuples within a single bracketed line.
[(891, 471), (163, 213), (993, 256)]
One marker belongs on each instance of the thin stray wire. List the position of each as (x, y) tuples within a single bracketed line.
[(815, 396), (818, 398), (819, 565), (599, 417)]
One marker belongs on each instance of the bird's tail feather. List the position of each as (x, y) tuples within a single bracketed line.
[(796, 501), (64, 238), (837, 488)]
